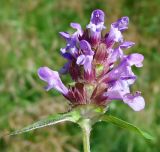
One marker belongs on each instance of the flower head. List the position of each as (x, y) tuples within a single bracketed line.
[(99, 66)]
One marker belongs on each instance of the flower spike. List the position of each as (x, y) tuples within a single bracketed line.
[(98, 64), (101, 73)]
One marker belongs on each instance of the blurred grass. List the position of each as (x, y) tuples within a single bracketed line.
[(29, 39)]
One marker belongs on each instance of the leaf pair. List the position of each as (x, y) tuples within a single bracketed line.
[(74, 116)]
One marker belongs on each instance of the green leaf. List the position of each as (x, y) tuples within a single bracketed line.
[(125, 125), (72, 116)]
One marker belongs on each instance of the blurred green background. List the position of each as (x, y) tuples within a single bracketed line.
[(29, 39)]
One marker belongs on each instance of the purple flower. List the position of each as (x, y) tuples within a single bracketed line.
[(118, 90), (126, 45), (96, 24), (86, 57), (113, 36), (86, 61), (97, 17), (123, 70), (86, 48), (117, 53), (53, 79), (71, 45), (99, 66), (135, 101), (121, 24), (77, 26), (135, 59)]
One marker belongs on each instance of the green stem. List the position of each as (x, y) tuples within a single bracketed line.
[(86, 129)]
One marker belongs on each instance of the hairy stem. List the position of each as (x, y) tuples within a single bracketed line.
[(86, 129)]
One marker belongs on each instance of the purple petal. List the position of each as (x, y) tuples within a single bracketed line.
[(114, 36), (135, 59), (95, 30), (97, 17), (86, 61), (121, 24), (115, 55), (81, 60), (86, 47), (53, 79), (78, 28), (123, 72), (96, 25), (66, 54), (65, 35), (71, 46), (126, 45), (124, 68), (118, 90), (136, 101)]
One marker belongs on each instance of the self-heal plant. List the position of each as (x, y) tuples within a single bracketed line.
[(101, 73)]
